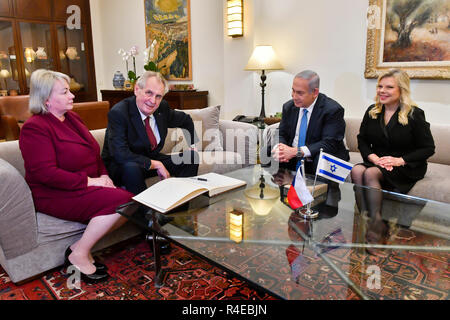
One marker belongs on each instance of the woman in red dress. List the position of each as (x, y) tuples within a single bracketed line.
[(65, 172)]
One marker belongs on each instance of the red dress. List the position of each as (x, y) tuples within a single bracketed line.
[(58, 157)]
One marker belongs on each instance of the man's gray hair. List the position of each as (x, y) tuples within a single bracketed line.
[(41, 86), (151, 74), (312, 77)]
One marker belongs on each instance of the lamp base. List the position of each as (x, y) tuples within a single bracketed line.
[(308, 213)]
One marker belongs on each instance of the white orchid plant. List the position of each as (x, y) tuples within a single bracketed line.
[(149, 57), (132, 77)]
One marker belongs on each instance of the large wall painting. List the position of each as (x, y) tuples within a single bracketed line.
[(410, 34), (168, 22)]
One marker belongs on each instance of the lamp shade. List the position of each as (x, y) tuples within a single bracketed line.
[(5, 74), (263, 58)]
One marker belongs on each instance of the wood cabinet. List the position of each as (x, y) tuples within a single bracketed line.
[(35, 35), (176, 99)]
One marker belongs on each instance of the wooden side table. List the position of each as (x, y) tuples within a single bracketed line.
[(177, 99)]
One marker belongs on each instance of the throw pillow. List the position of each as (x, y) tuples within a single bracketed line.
[(206, 123)]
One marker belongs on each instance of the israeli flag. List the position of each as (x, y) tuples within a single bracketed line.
[(333, 168)]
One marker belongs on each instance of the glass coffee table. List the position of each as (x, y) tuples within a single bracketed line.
[(251, 232)]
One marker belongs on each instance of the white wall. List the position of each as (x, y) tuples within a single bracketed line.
[(327, 36), (121, 24)]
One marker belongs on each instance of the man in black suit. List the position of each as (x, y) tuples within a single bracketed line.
[(137, 129), (310, 121)]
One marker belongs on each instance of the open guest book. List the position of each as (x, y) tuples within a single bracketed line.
[(170, 193)]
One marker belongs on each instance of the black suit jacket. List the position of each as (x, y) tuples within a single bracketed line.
[(126, 139), (326, 129)]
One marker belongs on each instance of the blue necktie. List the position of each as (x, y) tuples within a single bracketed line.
[(303, 128), (302, 133)]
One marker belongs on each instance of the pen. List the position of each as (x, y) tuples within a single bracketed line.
[(200, 179)]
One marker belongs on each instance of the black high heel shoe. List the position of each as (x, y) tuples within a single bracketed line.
[(100, 266), (95, 277)]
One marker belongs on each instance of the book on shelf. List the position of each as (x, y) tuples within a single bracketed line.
[(170, 193)]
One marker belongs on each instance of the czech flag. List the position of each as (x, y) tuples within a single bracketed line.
[(298, 194)]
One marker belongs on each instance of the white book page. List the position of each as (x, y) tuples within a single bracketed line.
[(165, 193), (215, 181)]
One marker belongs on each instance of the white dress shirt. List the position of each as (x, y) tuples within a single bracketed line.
[(304, 149), (153, 125)]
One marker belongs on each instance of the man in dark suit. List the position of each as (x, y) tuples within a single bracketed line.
[(310, 121), (137, 129)]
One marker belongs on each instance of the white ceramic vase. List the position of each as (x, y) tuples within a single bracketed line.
[(41, 54)]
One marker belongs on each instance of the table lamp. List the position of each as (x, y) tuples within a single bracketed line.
[(5, 74), (263, 58)]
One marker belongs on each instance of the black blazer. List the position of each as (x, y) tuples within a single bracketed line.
[(126, 139), (326, 128), (413, 142)]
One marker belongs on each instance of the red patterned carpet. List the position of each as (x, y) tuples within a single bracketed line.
[(131, 268)]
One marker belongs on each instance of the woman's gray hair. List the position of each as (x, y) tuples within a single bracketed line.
[(151, 74), (41, 86), (312, 77)]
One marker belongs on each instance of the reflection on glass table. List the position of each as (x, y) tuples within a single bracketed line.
[(340, 255)]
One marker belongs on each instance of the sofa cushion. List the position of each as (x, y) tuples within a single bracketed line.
[(206, 122), (435, 184), (351, 132), (174, 141), (99, 135), (219, 162), (441, 136), (54, 229), (16, 213)]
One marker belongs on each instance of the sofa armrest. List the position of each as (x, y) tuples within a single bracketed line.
[(18, 227), (241, 138), (10, 127)]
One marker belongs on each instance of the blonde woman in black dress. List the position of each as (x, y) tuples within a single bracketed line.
[(395, 142)]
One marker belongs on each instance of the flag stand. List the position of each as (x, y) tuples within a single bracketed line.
[(308, 213)]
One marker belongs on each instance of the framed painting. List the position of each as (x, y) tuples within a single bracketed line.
[(168, 32), (413, 35)]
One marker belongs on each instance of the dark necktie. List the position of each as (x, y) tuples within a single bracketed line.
[(151, 136)]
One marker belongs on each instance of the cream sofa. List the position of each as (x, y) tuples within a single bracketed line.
[(32, 242), (436, 183)]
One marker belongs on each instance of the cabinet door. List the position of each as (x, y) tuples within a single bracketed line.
[(37, 48), (32, 9), (9, 77), (5, 8), (73, 59)]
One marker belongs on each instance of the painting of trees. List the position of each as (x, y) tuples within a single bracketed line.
[(416, 30), (404, 16)]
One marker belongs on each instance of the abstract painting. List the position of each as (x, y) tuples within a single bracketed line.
[(168, 22)]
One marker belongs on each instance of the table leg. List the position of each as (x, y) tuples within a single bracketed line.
[(158, 270)]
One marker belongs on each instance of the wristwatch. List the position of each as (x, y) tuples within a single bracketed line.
[(299, 152)]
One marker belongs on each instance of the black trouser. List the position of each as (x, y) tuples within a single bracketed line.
[(132, 176)]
